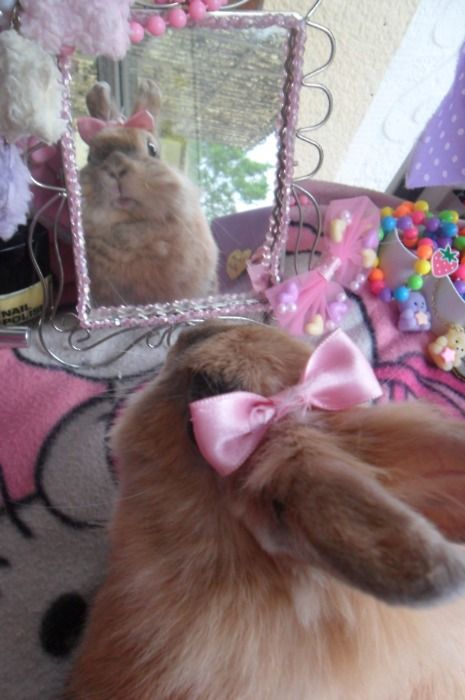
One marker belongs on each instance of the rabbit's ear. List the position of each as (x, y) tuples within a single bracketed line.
[(325, 507), (100, 103), (421, 452), (148, 97), (88, 127)]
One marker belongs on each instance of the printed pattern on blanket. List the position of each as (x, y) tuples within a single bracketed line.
[(402, 366), (57, 489)]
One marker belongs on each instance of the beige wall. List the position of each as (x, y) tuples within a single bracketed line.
[(367, 34)]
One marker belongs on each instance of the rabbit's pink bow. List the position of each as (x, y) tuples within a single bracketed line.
[(229, 427), (88, 127)]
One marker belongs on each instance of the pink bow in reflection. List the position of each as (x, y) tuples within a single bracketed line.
[(229, 427), (88, 127)]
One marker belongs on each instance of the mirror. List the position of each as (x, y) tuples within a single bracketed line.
[(179, 166)]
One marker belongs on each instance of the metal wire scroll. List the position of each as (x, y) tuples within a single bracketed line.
[(303, 134)]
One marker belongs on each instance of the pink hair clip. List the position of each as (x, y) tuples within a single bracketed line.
[(315, 302), (88, 127), (229, 427)]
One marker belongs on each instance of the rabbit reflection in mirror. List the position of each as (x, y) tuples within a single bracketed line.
[(147, 239), (327, 567)]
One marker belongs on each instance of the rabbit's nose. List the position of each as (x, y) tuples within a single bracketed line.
[(117, 170), (116, 166)]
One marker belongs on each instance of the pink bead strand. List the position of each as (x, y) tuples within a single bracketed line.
[(175, 15)]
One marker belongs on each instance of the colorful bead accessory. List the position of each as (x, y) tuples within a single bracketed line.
[(438, 241)]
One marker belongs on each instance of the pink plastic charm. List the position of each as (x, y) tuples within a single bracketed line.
[(444, 262), (288, 297)]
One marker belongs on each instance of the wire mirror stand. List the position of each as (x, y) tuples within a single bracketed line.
[(80, 342)]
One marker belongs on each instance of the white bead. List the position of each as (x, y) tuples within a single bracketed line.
[(346, 216)]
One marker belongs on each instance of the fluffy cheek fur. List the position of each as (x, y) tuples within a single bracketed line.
[(98, 193), (186, 581), (158, 192)]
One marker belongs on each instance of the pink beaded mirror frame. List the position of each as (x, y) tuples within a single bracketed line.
[(272, 245)]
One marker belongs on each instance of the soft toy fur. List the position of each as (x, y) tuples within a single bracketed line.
[(304, 575), (15, 194), (31, 90), (100, 27)]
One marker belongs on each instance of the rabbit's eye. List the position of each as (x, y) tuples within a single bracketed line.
[(204, 385), (278, 509), (152, 149)]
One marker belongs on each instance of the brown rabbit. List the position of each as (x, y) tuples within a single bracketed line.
[(147, 239), (301, 576)]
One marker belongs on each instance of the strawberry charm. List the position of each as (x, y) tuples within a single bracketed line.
[(444, 262)]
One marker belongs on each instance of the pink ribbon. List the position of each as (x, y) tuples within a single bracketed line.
[(320, 291), (314, 291), (88, 127), (229, 427)]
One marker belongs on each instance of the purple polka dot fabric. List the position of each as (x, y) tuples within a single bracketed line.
[(439, 156)]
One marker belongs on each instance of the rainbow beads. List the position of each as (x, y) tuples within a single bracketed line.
[(401, 293), (422, 267), (423, 233), (388, 224)]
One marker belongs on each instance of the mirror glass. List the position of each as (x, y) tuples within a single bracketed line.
[(181, 161)]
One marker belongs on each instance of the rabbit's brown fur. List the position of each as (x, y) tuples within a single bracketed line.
[(272, 584), (147, 239)]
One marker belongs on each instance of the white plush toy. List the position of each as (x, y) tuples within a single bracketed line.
[(31, 90)]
